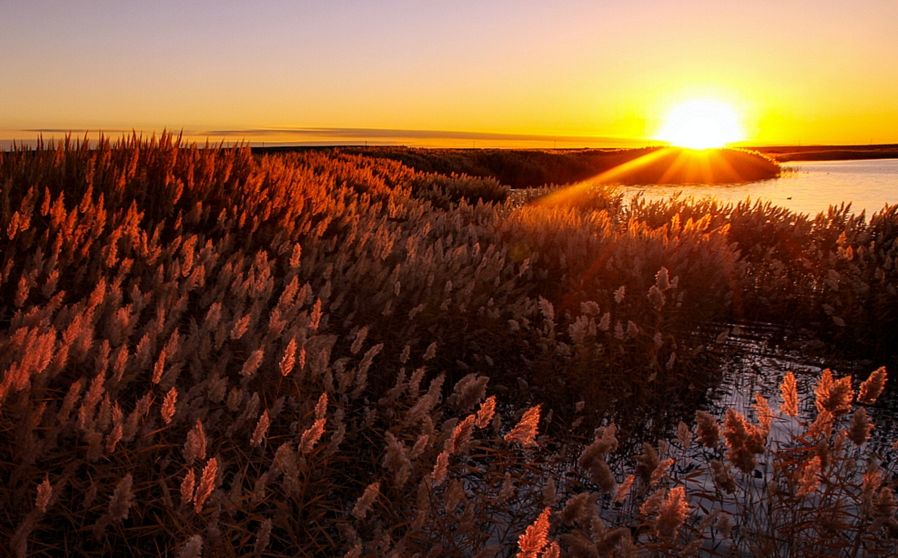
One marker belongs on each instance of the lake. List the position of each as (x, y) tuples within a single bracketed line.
[(805, 187)]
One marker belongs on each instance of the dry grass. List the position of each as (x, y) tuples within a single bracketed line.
[(208, 353)]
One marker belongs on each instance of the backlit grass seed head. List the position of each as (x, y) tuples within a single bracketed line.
[(261, 429), (44, 494), (285, 460), (193, 548), (440, 468), (468, 391), (707, 429), (592, 458), (206, 484), (360, 336), (406, 354), (195, 446), (624, 489), (620, 293), (525, 431), (535, 537), (460, 438), (169, 405), (552, 550), (396, 459), (115, 436), (822, 427), (188, 487), (296, 256), (321, 406), (722, 476), (763, 412), (656, 298), (860, 427), (122, 499), (661, 471), (662, 279), (486, 412), (672, 513), (251, 365), (312, 435), (288, 359), (834, 396), (363, 504), (872, 387), (646, 463), (873, 479), (652, 504), (430, 352), (600, 474), (606, 440), (159, 367), (315, 316), (789, 392), (807, 479), (743, 440), (240, 326)]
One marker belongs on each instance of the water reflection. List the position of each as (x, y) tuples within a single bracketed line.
[(805, 187)]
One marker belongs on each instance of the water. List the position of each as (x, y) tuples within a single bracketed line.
[(756, 360), (805, 187)]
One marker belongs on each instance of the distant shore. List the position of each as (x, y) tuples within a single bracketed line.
[(786, 153), (781, 153), (525, 168)]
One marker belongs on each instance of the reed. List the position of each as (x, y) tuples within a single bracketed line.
[(207, 352)]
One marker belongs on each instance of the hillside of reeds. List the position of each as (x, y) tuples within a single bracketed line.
[(527, 168), (210, 353)]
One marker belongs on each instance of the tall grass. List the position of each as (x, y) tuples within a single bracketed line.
[(205, 352)]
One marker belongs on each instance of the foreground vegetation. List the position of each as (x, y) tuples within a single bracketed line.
[(205, 352)]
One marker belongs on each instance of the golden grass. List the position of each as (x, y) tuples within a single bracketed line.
[(204, 352)]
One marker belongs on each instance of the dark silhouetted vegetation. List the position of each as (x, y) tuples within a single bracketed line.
[(520, 168)]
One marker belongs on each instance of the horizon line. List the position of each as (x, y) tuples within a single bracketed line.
[(344, 136)]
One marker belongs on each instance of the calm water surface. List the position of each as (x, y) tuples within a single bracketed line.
[(806, 187)]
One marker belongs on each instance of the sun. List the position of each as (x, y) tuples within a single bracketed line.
[(701, 124)]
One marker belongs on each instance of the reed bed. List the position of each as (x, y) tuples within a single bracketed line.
[(209, 353)]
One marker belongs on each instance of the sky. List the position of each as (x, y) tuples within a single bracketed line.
[(796, 71)]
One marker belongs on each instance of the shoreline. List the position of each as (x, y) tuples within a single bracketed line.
[(786, 153), (780, 153)]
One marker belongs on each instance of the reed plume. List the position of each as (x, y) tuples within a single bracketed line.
[(535, 537), (44, 494), (206, 484), (872, 387), (789, 392), (525, 431), (169, 405), (363, 504), (707, 428)]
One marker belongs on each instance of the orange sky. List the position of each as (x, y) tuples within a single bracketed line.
[(798, 71)]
